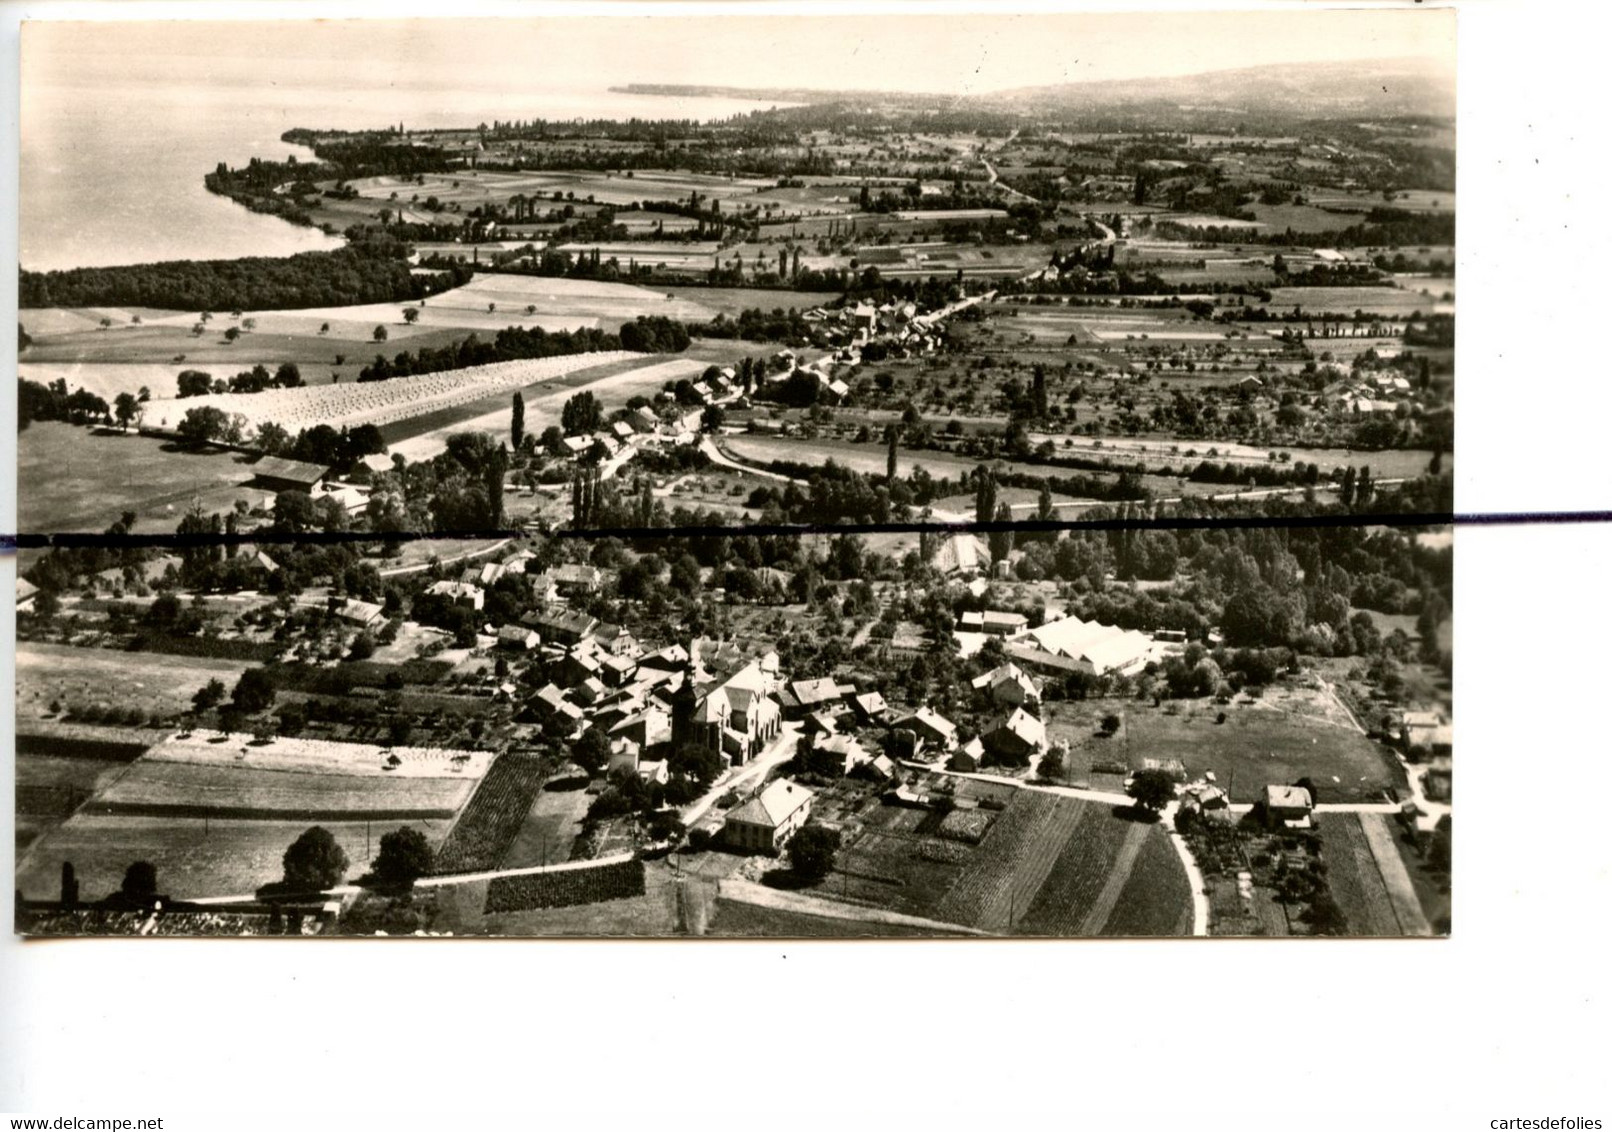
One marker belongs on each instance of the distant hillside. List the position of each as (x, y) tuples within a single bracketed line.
[(1388, 87), (1353, 89)]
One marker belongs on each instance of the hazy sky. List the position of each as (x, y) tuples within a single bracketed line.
[(952, 53)]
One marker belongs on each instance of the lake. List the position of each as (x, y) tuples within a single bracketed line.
[(112, 157)]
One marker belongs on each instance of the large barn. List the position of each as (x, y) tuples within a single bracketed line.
[(276, 473)]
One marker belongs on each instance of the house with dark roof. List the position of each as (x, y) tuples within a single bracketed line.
[(276, 473), (617, 641), (564, 626), (518, 637), (803, 697), (356, 612), (577, 578), (767, 821)]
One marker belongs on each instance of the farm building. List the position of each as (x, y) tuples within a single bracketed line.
[(356, 612), (1423, 733), (564, 626), (1288, 806), (350, 497), (1007, 685), (616, 670), (1016, 738), (1099, 649), (765, 822), (1000, 623), (574, 578), (276, 473), (969, 757), (616, 641), (649, 728), (550, 701), (518, 637), (459, 591), (803, 697), (932, 728), (26, 592), (484, 575), (869, 707), (853, 755), (960, 554)]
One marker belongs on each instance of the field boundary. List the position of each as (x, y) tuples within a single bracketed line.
[(1391, 867), (747, 892)]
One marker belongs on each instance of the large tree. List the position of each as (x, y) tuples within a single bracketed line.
[(591, 751), (1152, 789), (517, 421), (254, 691), (314, 862), (139, 882), (582, 413), (405, 856), (812, 850)]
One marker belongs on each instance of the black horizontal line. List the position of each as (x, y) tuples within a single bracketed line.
[(29, 540)]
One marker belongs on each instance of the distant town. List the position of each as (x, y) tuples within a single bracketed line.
[(877, 515)]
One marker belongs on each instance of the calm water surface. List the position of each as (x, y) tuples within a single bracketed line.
[(113, 158)]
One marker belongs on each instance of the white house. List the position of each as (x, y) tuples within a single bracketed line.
[(765, 822)]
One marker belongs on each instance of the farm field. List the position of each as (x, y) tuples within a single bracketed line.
[(157, 788), (51, 787), (736, 918), (161, 683), (1258, 745), (1044, 864), (83, 480), (70, 345), (209, 774), (551, 825), (494, 817), (731, 300), (1006, 871), (461, 908), (1368, 876), (1085, 883), (1347, 300), (471, 187), (195, 857)]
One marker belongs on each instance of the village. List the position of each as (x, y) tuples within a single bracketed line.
[(840, 518)]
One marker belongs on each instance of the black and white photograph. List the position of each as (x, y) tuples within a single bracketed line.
[(841, 564), (657, 497)]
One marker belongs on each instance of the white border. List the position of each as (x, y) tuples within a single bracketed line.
[(1507, 1019)]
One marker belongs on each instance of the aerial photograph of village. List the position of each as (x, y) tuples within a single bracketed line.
[(617, 498)]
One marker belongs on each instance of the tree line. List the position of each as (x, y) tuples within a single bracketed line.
[(375, 271)]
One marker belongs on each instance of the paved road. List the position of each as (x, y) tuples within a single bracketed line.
[(716, 455), (490, 548), (775, 754)]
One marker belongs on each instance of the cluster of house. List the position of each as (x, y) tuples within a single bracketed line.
[(1381, 392), (900, 326), (614, 443)]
